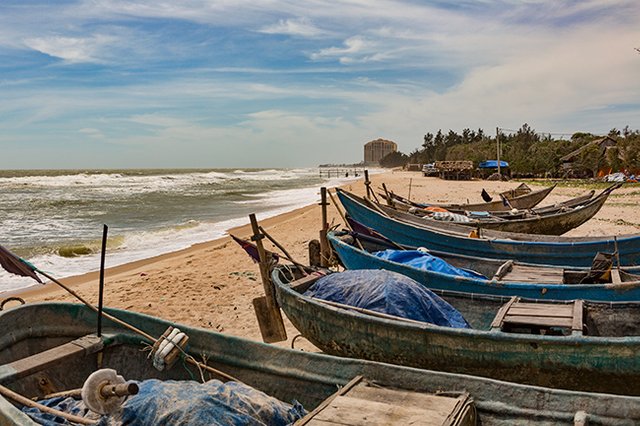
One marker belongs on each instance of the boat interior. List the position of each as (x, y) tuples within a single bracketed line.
[(602, 270), (515, 315), (55, 356)]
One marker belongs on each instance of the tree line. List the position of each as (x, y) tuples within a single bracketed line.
[(529, 153)]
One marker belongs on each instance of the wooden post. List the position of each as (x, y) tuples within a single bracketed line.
[(324, 244), (387, 195), (498, 147), (267, 310), (367, 182), (103, 255), (410, 182)]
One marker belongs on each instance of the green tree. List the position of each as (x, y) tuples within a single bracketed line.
[(394, 159)]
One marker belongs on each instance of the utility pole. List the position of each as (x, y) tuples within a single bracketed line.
[(498, 147)]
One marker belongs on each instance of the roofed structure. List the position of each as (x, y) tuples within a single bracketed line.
[(603, 144)]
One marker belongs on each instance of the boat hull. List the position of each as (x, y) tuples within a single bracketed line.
[(574, 362), (453, 238), (283, 373)]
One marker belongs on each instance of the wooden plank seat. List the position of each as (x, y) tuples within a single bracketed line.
[(363, 403), (539, 318), (80, 347), (528, 274)]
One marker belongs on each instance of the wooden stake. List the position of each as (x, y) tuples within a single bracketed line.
[(367, 182), (324, 244), (387, 195), (103, 254), (267, 310)]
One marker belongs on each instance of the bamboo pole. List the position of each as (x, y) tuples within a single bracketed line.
[(299, 265), (14, 396), (344, 218)]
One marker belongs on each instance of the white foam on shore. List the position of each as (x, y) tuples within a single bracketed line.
[(140, 245)]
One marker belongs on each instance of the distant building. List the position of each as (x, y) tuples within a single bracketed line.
[(376, 150)]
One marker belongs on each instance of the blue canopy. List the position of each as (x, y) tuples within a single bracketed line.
[(389, 293), (492, 164), (427, 262)]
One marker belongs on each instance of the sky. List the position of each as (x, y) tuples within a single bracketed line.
[(287, 83)]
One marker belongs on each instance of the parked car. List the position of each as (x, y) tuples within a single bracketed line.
[(429, 170)]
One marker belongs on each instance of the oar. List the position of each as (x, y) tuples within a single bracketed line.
[(266, 307)]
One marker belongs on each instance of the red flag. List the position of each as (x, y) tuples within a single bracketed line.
[(252, 250), (15, 265)]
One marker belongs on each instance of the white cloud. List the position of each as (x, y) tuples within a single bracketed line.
[(356, 49), (71, 49), (295, 27)]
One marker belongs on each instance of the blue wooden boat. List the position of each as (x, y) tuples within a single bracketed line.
[(454, 238), (587, 346), (499, 276), (37, 339)]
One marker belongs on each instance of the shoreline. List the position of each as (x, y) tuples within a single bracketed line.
[(129, 267)]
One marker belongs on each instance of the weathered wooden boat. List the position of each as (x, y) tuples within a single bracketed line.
[(547, 222), (456, 238), (516, 199), (571, 345), (496, 276), (402, 204), (42, 351), (521, 189)]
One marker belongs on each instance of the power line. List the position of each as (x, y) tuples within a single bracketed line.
[(538, 133)]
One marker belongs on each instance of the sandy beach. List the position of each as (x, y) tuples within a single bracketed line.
[(211, 285)]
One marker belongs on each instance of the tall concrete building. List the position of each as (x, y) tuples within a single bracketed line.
[(376, 150)]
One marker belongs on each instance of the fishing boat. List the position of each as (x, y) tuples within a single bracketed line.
[(548, 222), (570, 345), (452, 237), (476, 275), (405, 205), (517, 198), (51, 347)]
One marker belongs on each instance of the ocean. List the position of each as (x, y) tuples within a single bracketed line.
[(54, 218)]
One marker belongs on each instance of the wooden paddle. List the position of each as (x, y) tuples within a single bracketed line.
[(266, 307)]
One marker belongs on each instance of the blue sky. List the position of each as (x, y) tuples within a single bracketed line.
[(281, 83)]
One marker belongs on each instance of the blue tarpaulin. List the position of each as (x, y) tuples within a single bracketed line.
[(186, 403), (492, 164), (389, 293), (427, 262)]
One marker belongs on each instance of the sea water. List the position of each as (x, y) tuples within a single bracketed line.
[(54, 218)]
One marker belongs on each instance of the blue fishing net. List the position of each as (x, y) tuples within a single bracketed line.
[(186, 403), (387, 292), (427, 262)]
